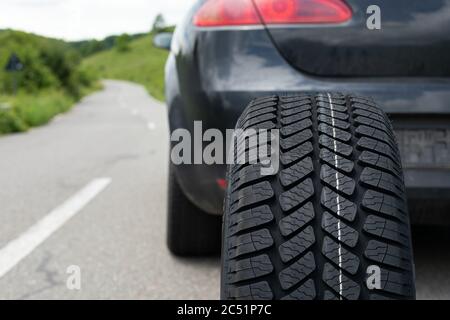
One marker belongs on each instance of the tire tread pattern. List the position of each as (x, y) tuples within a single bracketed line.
[(336, 206)]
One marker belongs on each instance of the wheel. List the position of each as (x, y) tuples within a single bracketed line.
[(333, 222), (190, 231)]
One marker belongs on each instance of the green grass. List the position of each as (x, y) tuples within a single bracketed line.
[(18, 114), (142, 63), (32, 110)]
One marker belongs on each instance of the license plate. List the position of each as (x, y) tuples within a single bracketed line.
[(424, 148)]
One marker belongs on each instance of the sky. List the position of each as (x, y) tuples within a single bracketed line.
[(88, 19)]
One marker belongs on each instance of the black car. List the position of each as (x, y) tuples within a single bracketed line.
[(325, 73)]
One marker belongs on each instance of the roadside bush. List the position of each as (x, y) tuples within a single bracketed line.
[(10, 122), (50, 82), (123, 43), (48, 63)]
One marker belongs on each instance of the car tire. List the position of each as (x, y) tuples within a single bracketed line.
[(190, 231), (333, 222)]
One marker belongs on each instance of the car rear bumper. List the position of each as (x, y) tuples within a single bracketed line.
[(428, 184)]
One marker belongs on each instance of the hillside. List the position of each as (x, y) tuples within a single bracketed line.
[(141, 63), (90, 47), (54, 75)]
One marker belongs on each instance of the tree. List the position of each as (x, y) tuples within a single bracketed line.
[(159, 24), (123, 43)]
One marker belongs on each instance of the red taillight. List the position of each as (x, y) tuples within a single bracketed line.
[(250, 12), (222, 183), (303, 11), (216, 13)]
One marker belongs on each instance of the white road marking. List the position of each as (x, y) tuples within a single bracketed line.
[(135, 112), (19, 248), (151, 126), (336, 162)]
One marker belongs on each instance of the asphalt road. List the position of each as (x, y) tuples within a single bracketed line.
[(118, 239), (115, 233)]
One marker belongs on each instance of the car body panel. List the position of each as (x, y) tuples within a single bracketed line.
[(212, 74), (413, 42)]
